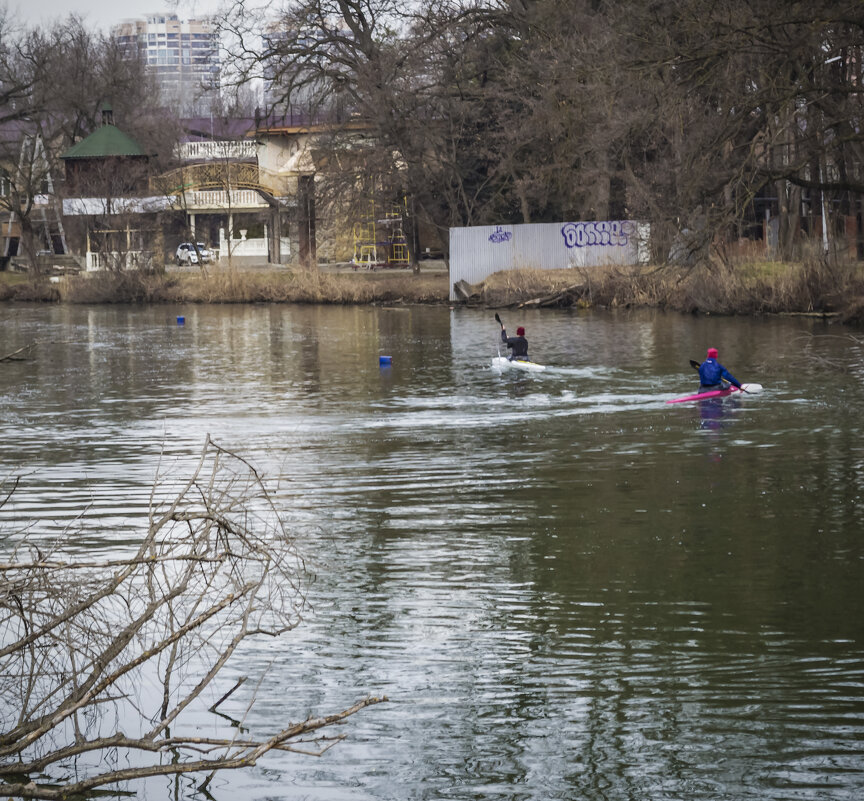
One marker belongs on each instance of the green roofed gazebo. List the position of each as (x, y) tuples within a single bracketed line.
[(107, 190), (106, 156), (105, 142)]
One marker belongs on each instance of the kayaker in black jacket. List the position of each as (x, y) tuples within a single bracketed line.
[(518, 344)]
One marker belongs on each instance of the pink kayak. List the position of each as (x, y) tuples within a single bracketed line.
[(749, 389)]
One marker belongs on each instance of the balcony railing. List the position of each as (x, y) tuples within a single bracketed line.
[(216, 175), (213, 151), (215, 199)]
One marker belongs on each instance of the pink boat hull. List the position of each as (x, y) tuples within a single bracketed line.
[(716, 393)]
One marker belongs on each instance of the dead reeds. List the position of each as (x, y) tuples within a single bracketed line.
[(284, 285), (814, 286)]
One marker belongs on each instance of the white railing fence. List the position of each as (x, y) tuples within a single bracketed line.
[(242, 247), (213, 151), (114, 260)]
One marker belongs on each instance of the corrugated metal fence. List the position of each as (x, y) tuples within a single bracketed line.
[(479, 251)]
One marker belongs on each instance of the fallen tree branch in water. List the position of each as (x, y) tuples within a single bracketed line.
[(13, 357), (101, 660)]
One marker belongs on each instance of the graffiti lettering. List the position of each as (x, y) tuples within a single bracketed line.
[(583, 234), (499, 235)]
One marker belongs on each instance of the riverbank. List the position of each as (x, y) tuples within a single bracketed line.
[(336, 284), (813, 288)]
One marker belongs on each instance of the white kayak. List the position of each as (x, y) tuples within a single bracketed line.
[(503, 363)]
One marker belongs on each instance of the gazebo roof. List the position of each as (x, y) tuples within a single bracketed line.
[(107, 140)]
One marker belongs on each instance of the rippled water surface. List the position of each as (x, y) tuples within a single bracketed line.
[(567, 588)]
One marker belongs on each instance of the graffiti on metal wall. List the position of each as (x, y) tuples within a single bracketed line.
[(500, 235), (583, 234)]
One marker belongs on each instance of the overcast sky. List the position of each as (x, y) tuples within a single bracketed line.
[(104, 13)]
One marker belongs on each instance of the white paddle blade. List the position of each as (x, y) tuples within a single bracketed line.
[(753, 389)]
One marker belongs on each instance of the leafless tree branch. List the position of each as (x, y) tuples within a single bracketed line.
[(144, 637)]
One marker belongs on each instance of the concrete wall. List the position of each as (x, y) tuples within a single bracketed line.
[(479, 251)]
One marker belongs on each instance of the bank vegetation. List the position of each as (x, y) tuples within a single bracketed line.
[(814, 287), (277, 285)]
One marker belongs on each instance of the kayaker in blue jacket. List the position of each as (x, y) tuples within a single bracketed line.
[(518, 344), (712, 374)]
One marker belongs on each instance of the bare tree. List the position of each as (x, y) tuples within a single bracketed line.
[(691, 115), (24, 155), (82, 640), (742, 104), (54, 83), (376, 75)]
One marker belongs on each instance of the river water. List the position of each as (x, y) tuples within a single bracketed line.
[(567, 588)]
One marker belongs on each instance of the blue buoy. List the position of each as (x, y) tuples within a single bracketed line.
[(385, 360), (181, 320)]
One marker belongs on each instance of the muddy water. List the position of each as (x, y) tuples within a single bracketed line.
[(566, 587)]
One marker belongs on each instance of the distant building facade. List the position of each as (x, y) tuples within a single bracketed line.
[(183, 55)]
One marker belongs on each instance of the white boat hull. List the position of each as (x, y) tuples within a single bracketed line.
[(503, 363)]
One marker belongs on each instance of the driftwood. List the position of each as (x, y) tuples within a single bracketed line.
[(465, 291), (14, 357), (817, 315), (476, 293), (564, 297)]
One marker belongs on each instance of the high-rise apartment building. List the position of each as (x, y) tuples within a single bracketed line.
[(182, 55)]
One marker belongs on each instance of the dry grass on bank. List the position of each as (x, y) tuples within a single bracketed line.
[(259, 286), (747, 288), (754, 288), (19, 286)]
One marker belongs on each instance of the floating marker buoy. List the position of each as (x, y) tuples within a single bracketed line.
[(181, 320), (385, 360)]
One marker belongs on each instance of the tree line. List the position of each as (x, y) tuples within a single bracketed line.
[(698, 115)]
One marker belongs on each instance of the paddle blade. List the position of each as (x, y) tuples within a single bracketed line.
[(752, 389), (498, 320), (694, 364)]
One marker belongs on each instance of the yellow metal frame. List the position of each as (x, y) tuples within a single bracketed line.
[(368, 247)]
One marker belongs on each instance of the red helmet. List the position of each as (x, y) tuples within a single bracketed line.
[(712, 353), (520, 331)]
